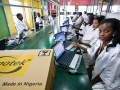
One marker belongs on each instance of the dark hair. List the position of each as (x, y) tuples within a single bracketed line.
[(115, 24), (79, 13), (17, 15), (91, 17), (100, 18), (38, 13), (74, 13), (85, 12)]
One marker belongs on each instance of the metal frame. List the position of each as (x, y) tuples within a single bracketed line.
[(51, 1), (33, 16), (2, 4)]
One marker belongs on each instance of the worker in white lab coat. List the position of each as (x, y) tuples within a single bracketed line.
[(105, 56), (39, 20), (91, 34), (21, 27)]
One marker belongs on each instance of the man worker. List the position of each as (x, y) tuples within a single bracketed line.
[(21, 27), (39, 20)]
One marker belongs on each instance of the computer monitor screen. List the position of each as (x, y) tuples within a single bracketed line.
[(66, 22), (64, 28), (60, 36), (67, 18), (58, 49)]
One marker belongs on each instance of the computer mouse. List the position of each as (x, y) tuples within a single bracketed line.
[(78, 51)]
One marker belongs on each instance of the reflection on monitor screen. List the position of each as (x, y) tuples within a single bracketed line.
[(58, 50), (63, 28), (60, 36)]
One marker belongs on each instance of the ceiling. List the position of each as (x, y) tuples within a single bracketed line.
[(80, 2)]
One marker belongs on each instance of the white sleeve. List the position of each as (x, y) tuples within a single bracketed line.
[(93, 41), (90, 50), (37, 20), (111, 71)]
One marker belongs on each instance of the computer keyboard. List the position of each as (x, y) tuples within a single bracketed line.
[(74, 61), (66, 58), (66, 43), (69, 47)]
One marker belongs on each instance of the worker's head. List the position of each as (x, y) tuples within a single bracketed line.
[(38, 14), (85, 12), (109, 29), (19, 16), (90, 19), (80, 13), (74, 13), (96, 22)]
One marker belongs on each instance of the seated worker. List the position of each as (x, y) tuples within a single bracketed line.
[(75, 17), (85, 16), (85, 27), (39, 20), (78, 23), (91, 36), (105, 56), (21, 27)]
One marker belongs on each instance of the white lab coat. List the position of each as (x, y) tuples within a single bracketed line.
[(75, 18), (78, 22), (50, 18), (20, 26), (85, 18), (39, 20), (84, 29), (107, 66), (90, 34)]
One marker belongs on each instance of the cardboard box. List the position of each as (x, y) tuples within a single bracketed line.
[(27, 69)]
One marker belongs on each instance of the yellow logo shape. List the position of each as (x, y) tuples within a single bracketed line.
[(14, 65)]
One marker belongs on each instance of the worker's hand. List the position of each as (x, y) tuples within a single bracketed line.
[(80, 41), (75, 44)]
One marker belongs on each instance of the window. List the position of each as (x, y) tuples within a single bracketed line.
[(115, 6), (15, 10)]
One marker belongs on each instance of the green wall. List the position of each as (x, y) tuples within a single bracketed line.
[(4, 30)]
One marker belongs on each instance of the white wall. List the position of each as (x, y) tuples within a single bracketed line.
[(111, 15)]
